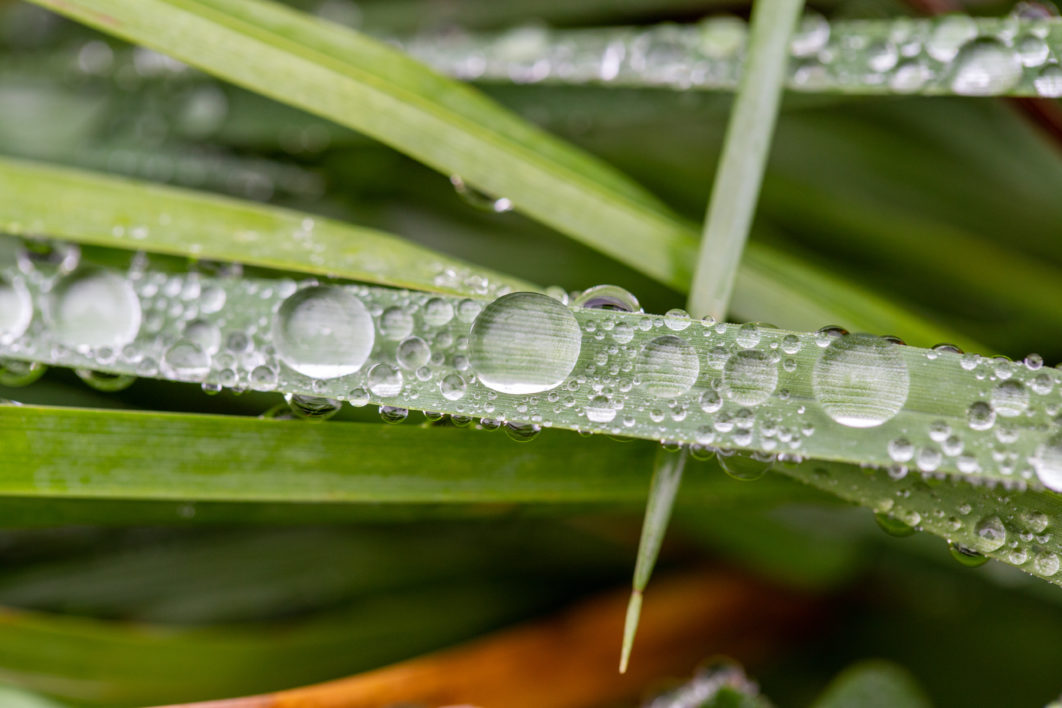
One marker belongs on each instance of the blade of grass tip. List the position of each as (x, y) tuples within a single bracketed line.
[(667, 474), (734, 195)]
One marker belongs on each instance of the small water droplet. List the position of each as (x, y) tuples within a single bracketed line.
[(1048, 463), (102, 381), (312, 408), (522, 432), (677, 320), (413, 353), (1046, 564), (478, 198), (437, 312), (16, 309), (16, 373), (966, 556), (453, 387), (1010, 398), (600, 410), (745, 466), (991, 535), (385, 380), (749, 377), (607, 297), (187, 361), (1048, 82), (393, 414), (893, 526), (396, 323)]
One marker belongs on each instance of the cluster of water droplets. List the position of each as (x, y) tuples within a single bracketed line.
[(590, 361), (1017, 55)]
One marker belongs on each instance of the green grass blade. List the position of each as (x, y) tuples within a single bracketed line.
[(741, 166), (726, 229), (952, 55), (667, 476), (366, 85), (107, 211)]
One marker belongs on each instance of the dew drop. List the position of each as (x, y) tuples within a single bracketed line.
[(102, 381), (522, 432), (437, 312), (667, 366), (524, 343), (263, 378), (323, 332), (385, 380), (396, 323), (1048, 463), (94, 308), (16, 373), (478, 198), (16, 309), (1010, 398), (980, 416), (453, 387), (893, 526), (187, 361), (985, 67), (413, 353), (1048, 82), (677, 320), (749, 377), (1046, 564), (393, 414), (607, 297), (205, 334), (746, 467), (966, 556), (991, 534), (600, 410), (860, 380), (312, 408), (950, 34)]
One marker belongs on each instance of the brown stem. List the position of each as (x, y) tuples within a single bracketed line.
[(569, 661)]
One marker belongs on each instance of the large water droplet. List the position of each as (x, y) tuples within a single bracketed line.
[(860, 380), (985, 67), (16, 309), (94, 308), (750, 377), (323, 332), (524, 343), (949, 35), (1010, 398), (1048, 463), (667, 366)]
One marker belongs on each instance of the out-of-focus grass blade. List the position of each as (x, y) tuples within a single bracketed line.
[(364, 84), (113, 212), (874, 684), (129, 664)]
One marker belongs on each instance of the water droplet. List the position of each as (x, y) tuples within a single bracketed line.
[(1010, 398), (211, 299), (748, 336), (747, 467), (893, 526), (722, 36), (479, 199), (263, 378), (966, 556), (1035, 521), (437, 312), (1032, 50), (749, 377), (413, 353), (312, 408), (950, 34), (358, 397), (94, 308), (101, 381), (205, 334), (991, 534), (522, 432), (1048, 82), (323, 332), (1046, 564), (385, 380), (16, 373), (909, 76), (710, 401), (524, 343), (16, 309), (980, 416), (667, 366), (677, 320), (600, 410), (811, 35), (396, 323), (901, 450), (1048, 463), (453, 387), (861, 381), (393, 414), (985, 67), (607, 297), (187, 361)]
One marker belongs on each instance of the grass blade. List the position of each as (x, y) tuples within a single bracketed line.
[(117, 213)]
